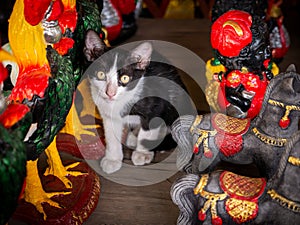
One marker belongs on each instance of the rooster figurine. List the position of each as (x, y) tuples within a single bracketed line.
[(47, 40)]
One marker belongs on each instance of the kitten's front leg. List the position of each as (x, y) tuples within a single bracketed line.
[(147, 140), (112, 161)]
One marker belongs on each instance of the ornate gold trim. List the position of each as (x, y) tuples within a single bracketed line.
[(241, 211), (241, 187), (203, 138), (202, 135), (284, 202), (201, 184), (212, 198), (288, 108), (230, 125), (197, 121), (280, 142), (294, 161)]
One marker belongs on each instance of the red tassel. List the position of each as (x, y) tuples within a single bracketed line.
[(284, 123), (217, 221), (196, 149), (208, 154), (201, 215)]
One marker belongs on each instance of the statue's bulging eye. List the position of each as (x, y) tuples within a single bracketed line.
[(101, 75), (124, 79)]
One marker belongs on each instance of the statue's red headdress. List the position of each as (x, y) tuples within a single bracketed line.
[(231, 32)]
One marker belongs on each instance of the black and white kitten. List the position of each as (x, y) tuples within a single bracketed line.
[(129, 89)]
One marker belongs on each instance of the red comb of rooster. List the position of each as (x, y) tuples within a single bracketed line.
[(34, 11)]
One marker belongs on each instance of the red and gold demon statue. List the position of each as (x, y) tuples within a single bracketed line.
[(242, 65)]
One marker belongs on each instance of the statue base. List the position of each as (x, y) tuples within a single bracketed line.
[(91, 147), (75, 207)]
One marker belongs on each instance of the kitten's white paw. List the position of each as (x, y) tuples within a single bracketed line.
[(110, 166), (141, 158), (131, 140)]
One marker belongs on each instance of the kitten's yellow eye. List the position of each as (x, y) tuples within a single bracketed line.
[(101, 75), (125, 79)]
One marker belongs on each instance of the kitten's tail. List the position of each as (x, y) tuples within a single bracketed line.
[(180, 131)]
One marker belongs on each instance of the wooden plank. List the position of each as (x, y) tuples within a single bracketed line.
[(120, 204)]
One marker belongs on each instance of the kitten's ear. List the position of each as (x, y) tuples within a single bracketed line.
[(94, 46), (142, 54)]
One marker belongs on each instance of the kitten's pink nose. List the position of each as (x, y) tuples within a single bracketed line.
[(111, 91)]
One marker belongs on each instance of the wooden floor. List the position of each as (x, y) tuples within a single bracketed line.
[(151, 204)]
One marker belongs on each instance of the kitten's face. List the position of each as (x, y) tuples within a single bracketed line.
[(116, 74), (112, 78)]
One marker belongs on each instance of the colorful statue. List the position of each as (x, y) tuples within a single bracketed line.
[(224, 197), (119, 19), (256, 125), (206, 140), (279, 36), (47, 39), (267, 10), (244, 51), (241, 46)]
